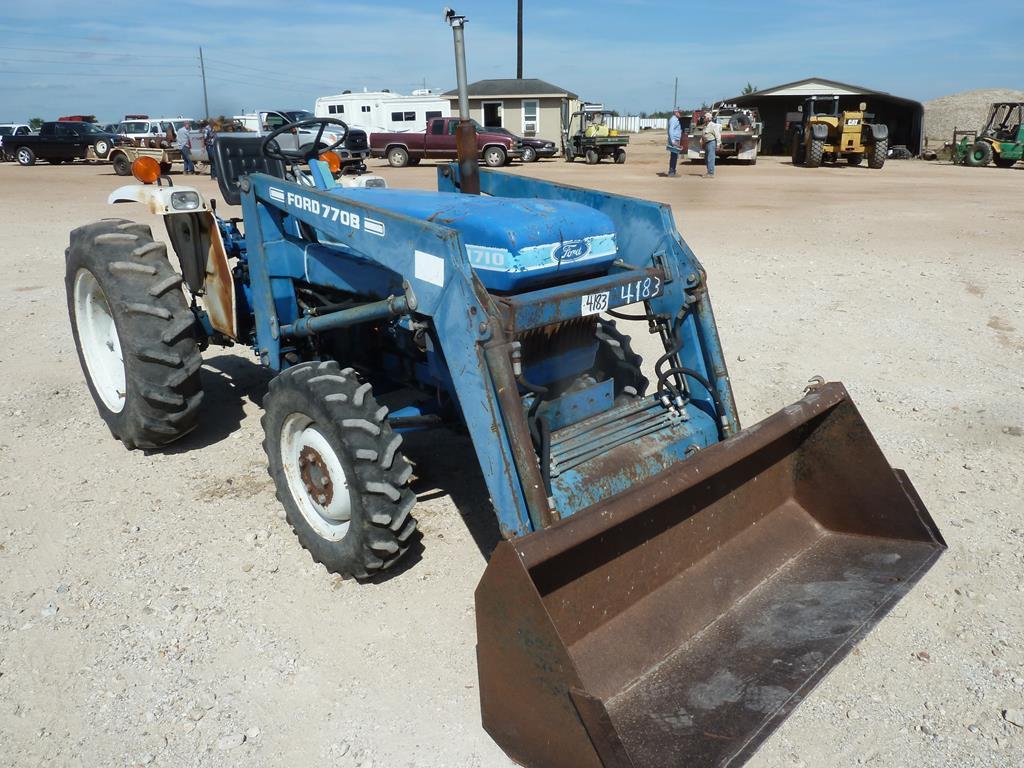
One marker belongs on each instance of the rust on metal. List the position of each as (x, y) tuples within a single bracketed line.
[(316, 476), (219, 287), (681, 621)]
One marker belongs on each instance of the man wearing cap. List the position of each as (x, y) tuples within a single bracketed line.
[(710, 137)]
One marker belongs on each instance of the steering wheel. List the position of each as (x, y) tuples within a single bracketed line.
[(272, 149)]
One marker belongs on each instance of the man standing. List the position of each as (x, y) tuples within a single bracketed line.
[(209, 135), (675, 139), (711, 135), (186, 149)]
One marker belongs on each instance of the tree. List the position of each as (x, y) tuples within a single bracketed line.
[(36, 123), (748, 89)]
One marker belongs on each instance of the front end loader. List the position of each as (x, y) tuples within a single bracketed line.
[(669, 585)]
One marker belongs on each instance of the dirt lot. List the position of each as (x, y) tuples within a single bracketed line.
[(155, 609)]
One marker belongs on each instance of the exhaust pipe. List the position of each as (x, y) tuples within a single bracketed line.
[(680, 622), (465, 134)]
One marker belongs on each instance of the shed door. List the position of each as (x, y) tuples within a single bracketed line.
[(492, 114)]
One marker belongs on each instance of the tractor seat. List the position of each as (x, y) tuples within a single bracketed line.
[(236, 156)]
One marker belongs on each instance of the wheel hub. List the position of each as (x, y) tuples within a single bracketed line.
[(316, 477)]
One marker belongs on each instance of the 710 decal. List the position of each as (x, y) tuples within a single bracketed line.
[(630, 293)]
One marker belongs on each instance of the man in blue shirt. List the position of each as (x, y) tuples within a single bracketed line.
[(675, 139)]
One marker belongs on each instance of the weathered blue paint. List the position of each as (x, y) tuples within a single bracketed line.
[(407, 253)]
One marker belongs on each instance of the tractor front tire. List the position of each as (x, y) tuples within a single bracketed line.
[(398, 157), (980, 154), (815, 153), (592, 157), (879, 151), (339, 474), (134, 333)]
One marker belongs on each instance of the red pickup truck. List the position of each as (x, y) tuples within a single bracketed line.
[(438, 142)]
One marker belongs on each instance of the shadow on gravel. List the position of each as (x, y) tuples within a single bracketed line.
[(446, 465), (228, 381)]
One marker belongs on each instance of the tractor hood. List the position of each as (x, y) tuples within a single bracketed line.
[(513, 244)]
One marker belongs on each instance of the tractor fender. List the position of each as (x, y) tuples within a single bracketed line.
[(879, 131), (819, 131), (197, 242)]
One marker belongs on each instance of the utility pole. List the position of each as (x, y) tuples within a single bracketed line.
[(465, 134), (519, 43), (202, 68), (675, 95)]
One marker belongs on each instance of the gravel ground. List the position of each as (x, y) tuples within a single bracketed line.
[(156, 610)]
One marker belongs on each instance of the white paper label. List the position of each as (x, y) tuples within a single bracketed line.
[(592, 303), (429, 268)]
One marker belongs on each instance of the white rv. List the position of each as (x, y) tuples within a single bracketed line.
[(383, 111)]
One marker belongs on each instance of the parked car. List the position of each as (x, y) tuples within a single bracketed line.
[(353, 152), (62, 140), (438, 142), (532, 148), (12, 130)]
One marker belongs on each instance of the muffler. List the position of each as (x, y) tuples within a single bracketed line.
[(679, 623)]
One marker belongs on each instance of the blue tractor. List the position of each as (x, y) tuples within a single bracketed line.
[(669, 586)]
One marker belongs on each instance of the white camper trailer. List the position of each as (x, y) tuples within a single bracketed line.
[(384, 111)]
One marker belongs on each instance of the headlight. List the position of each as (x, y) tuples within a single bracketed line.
[(184, 201)]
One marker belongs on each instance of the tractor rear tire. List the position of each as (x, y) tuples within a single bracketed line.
[(398, 157), (855, 159), (980, 154), (134, 333), (876, 158), (339, 474), (616, 360), (815, 153), (797, 155), (1004, 162), (592, 157)]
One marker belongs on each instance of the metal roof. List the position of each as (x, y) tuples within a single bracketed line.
[(512, 87), (816, 86)]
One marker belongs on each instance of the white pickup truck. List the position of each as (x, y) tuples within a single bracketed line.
[(353, 152)]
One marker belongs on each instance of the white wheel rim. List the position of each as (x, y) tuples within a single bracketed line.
[(101, 146), (23, 156), (315, 477), (97, 335)]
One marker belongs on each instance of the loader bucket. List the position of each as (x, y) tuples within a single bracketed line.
[(679, 623)]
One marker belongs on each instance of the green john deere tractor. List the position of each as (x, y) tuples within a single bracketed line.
[(1001, 141)]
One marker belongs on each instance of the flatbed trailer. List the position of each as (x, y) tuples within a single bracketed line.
[(123, 157)]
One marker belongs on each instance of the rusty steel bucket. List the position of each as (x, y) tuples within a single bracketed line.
[(679, 623)]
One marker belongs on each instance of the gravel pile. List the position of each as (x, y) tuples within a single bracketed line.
[(966, 111)]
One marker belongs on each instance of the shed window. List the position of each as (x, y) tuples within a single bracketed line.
[(403, 117), (432, 115)]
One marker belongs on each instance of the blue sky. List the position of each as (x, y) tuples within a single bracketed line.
[(114, 57)]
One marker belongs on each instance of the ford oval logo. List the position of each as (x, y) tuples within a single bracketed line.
[(571, 250)]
